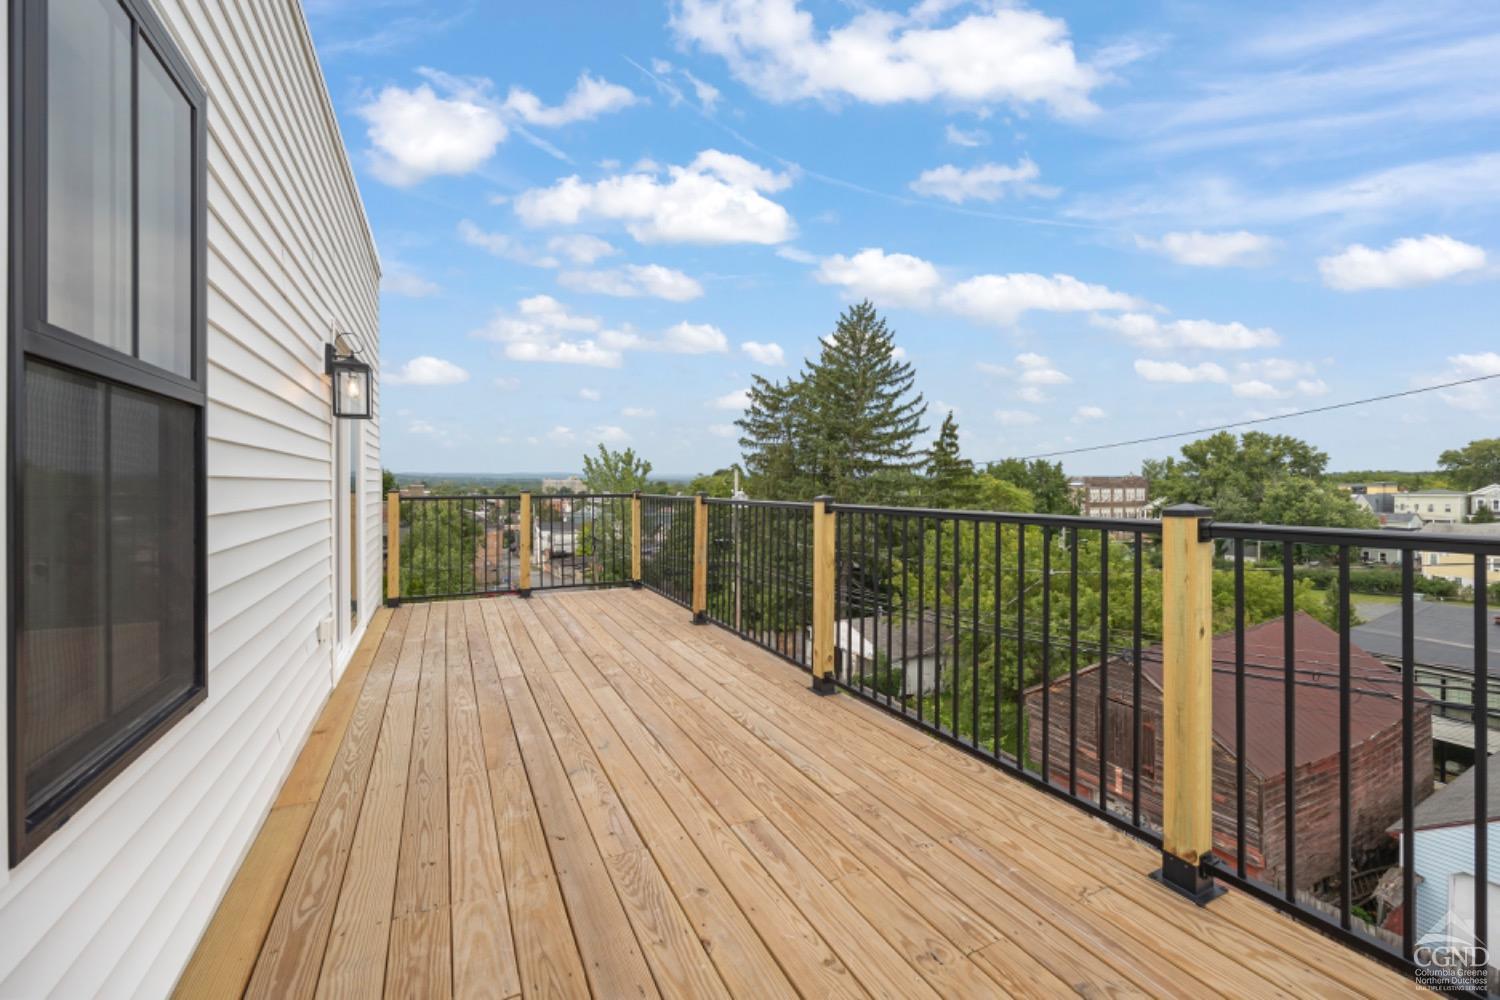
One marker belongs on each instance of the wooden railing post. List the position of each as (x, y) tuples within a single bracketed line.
[(524, 583), (393, 548), (635, 539), (700, 558), (824, 574), (1187, 703)]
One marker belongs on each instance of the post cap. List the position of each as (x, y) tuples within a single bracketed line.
[(1187, 510), (824, 499), (701, 494), (635, 493)]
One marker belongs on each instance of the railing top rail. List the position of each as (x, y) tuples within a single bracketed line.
[(747, 502), (681, 497), (1145, 526), (517, 496), (1382, 538)]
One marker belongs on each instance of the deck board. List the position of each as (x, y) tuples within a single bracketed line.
[(584, 794)]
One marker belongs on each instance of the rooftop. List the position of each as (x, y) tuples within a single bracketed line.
[(585, 793), (1444, 635)]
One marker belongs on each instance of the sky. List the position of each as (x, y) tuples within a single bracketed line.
[(1085, 222)]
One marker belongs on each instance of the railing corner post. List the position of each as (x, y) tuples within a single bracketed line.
[(393, 548), (824, 574), (1187, 704), (523, 545), (635, 539), (700, 558)]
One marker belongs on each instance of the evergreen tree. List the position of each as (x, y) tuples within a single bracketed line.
[(950, 476), (771, 436), (862, 416)]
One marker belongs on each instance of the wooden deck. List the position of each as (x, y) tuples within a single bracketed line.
[(584, 794)]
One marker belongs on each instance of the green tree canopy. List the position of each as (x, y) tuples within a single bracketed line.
[(950, 476), (1044, 481), (847, 425), (615, 471), (1256, 478), (1474, 465)]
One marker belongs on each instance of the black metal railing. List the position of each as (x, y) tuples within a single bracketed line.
[(1332, 764), (468, 545), (760, 573), (667, 546), (987, 630)]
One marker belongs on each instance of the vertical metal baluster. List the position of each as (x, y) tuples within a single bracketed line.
[(1289, 714), (906, 607), (1346, 843), (937, 626), (888, 543), (1239, 705), (1046, 651), (1135, 688), (1102, 729), (1408, 755), (1022, 646), (921, 614), (870, 547), (957, 663), (1073, 661), (1481, 711), (995, 671), (974, 646)]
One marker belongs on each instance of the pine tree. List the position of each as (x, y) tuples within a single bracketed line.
[(770, 436), (863, 420), (950, 476)]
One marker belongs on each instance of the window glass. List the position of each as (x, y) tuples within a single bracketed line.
[(89, 170), (106, 637), (166, 219)]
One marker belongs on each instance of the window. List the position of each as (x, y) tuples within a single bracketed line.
[(107, 334)]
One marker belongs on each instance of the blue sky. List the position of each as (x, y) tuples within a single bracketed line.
[(1086, 222)]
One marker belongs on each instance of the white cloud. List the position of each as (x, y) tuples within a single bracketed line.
[(1031, 394), (581, 248), (736, 400), (1002, 298), (718, 198), (634, 281), (413, 286), (694, 338), (723, 430), (1405, 263), (418, 133), (637, 412), (1016, 418), (1198, 249), (1275, 369), (1039, 370), (895, 279), (1176, 371), (593, 395), (501, 245), (1256, 389), (589, 98), (561, 435), (1312, 387), (1009, 54), (1149, 332), (426, 370), (611, 434), (968, 138), (1475, 398), (986, 182), (540, 329), (796, 255), (765, 354), (1089, 413)]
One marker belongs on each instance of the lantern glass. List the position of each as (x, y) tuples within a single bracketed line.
[(351, 391)]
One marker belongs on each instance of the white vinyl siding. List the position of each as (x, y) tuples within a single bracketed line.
[(115, 901), (1442, 852)]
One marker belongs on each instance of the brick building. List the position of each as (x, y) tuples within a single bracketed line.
[(1375, 745), (1111, 496)]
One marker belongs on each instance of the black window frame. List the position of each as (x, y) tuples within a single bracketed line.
[(32, 337)]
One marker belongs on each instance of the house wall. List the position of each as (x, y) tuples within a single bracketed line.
[(114, 902), (1375, 786), (1375, 769), (1441, 853), (1445, 507)]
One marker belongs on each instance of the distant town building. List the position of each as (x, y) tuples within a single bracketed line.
[(1485, 498), (569, 484), (1458, 566), (1370, 489), (1111, 496), (1378, 504), (1434, 506)]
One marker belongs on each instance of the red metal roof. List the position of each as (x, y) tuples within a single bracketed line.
[(1374, 703)]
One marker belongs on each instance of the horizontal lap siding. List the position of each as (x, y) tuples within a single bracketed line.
[(115, 901)]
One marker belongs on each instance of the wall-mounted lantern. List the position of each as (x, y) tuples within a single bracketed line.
[(351, 378)]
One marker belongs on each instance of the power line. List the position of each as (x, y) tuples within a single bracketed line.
[(1263, 420)]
